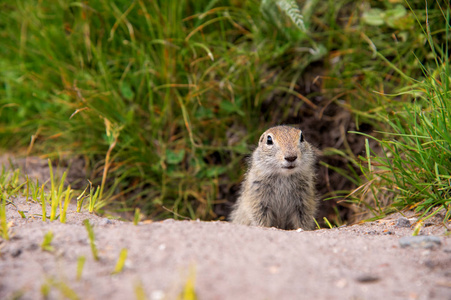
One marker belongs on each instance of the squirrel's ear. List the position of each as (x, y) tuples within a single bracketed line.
[(261, 138)]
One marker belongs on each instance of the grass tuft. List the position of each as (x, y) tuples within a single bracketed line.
[(43, 204), (4, 225), (94, 196), (22, 214), (140, 293), (137, 216), (417, 228), (80, 199), (64, 207), (56, 191), (189, 291), (46, 243), (91, 237), (416, 148), (65, 290), (120, 262), (80, 265)]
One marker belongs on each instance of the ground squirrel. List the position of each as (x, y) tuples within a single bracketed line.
[(279, 187)]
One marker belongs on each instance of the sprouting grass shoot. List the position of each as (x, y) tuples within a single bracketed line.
[(46, 243), (91, 238), (120, 261)]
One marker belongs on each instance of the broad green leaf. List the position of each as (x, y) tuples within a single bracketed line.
[(374, 17), (126, 91), (173, 157)]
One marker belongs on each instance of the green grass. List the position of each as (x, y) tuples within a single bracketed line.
[(137, 216), (80, 199), (140, 293), (43, 204), (80, 265), (64, 206), (4, 225), (10, 186), (66, 291), (120, 261), (416, 160), (92, 242), (147, 92), (56, 191), (46, 243), (14, 183), (163, 98), (94, 195), (189, 289)]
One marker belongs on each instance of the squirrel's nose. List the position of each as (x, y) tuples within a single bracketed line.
[(290, 158)]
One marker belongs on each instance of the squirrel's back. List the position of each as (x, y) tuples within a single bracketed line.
[(279, 186)]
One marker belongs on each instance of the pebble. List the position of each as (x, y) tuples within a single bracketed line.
[(157, 295), (420, 241), (33, 246), (16, 252), (372, 232), (105, 221), (367, 278), (430, 264), (402, 222)]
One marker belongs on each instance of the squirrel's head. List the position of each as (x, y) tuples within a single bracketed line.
[(282, 149)]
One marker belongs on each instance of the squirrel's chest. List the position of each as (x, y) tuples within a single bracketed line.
[(278, 201), (278, 192)]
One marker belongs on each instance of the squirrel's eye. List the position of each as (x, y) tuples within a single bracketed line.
[(301, 138), (269, 140)]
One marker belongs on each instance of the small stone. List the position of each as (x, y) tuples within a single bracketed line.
[(402, 222), (430, 264), (16, 252), (157, 295), (429, 223), (367, 278), (341, 283), (420, 241), (274, 269), (105, 221), (33, 246)]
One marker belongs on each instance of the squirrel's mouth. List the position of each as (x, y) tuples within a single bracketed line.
[(288, 167)]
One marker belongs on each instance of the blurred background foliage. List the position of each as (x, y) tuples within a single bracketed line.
[(167, 97)]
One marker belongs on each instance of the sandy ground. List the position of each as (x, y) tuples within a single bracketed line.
[(227, 261)]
